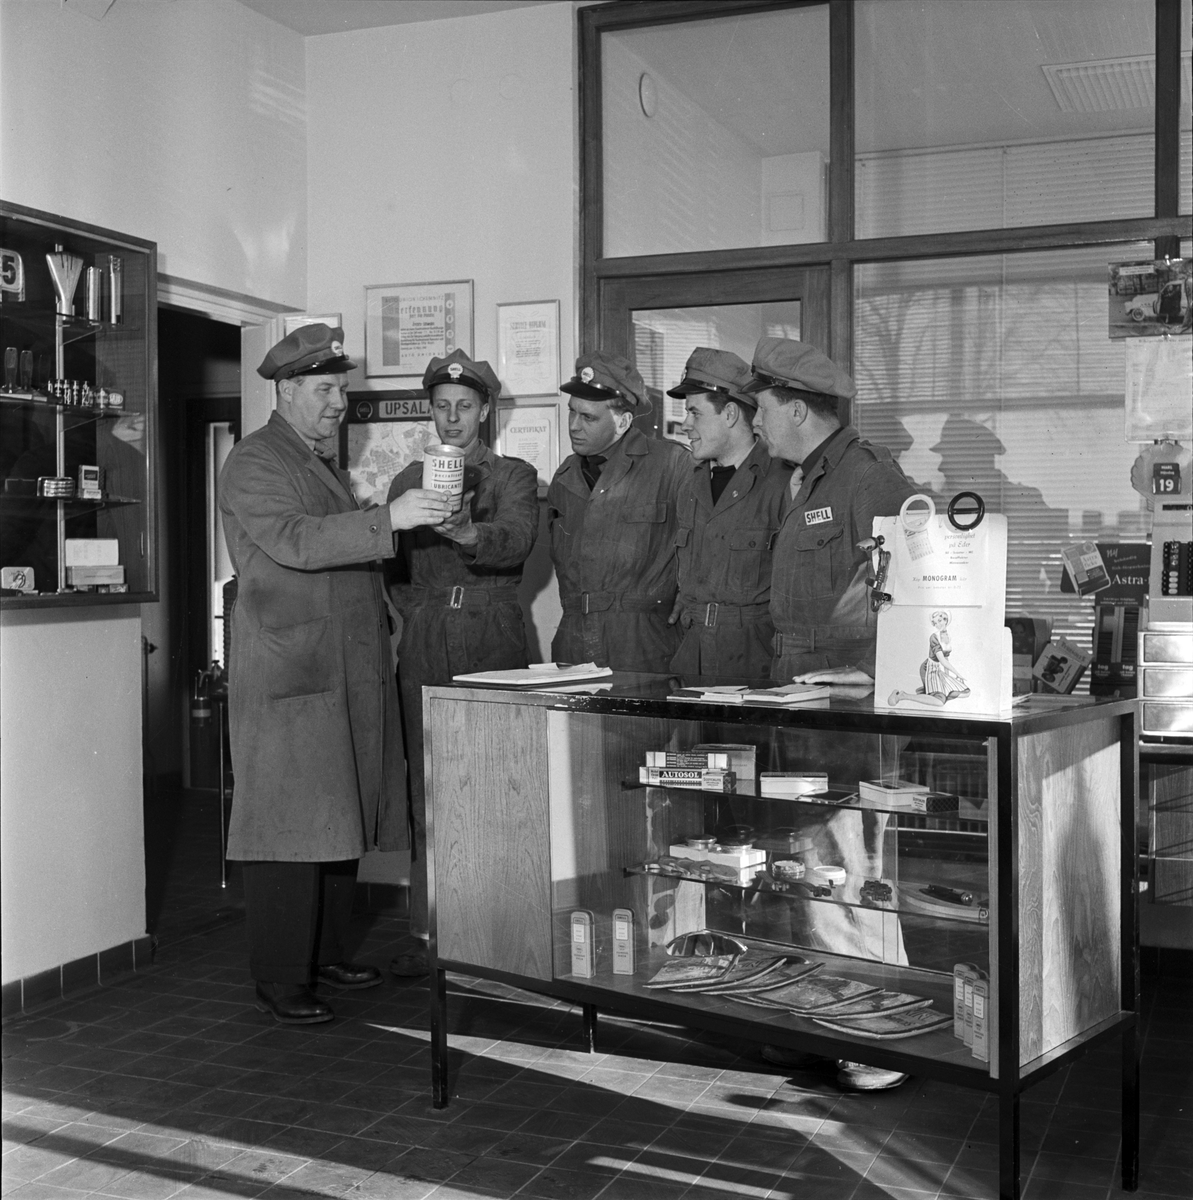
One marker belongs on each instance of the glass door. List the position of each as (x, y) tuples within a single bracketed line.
[(657, 322)]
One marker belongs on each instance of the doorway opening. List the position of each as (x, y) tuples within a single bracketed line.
[(199, 388)]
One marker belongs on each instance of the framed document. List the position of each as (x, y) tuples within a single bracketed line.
[(408, 324), (531, 433), (528, 348)]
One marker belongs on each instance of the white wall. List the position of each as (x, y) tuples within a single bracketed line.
[(70, 785), (183, 123), (447, 150)]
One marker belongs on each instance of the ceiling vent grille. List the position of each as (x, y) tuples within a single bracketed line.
[(1110, 84)]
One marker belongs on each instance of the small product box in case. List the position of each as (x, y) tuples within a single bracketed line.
[(898, 794), (92, 552), (780, 785), (583, 944), (742, 762), (689, 759), (84, 577), (18, 579)]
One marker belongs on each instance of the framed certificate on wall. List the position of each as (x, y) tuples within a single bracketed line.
[(408, 324), (528, 348)]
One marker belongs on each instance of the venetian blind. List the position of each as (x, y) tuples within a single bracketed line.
[(996, 374)]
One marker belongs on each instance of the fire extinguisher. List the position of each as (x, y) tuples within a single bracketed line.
[(200, 699)]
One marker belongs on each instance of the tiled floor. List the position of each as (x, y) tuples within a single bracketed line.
[(172, 1084)]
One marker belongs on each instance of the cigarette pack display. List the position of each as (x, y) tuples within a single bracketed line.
[(689, 759), (742, 762), (683, 777), (782, 784)]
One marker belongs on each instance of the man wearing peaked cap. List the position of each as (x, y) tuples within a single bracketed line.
[(456, 584), (820, 604), (611, 509), (313, 711), (730, 506), (824, 629)]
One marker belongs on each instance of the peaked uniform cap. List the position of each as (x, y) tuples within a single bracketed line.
[(783, 362), (602, 376), (310, 350), (457, 367), (714, 371)]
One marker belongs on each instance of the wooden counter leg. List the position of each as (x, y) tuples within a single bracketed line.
[(589, 1012), (439, 1084), (1130, 1111), (1008, 1145)]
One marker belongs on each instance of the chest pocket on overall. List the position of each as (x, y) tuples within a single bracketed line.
[(821, 565), (747, 552)]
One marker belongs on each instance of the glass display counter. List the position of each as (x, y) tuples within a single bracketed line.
[(78, 405), (824, 877)]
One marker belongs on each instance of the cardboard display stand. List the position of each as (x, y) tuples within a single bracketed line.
[(942, 641)]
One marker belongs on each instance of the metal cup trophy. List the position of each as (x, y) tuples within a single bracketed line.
[(65, 270)]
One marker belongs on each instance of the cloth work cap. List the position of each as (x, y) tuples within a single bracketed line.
[(782, 362), (602, 376), (714, 371), (457, 367), (310, 350)]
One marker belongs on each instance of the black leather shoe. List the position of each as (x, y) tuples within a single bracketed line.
[(349, 975), (292, 1004)]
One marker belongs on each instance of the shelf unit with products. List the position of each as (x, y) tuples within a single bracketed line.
[(78, 409), (897, 866)]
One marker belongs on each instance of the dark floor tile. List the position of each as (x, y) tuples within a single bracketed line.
[(487, 1176), (526, 1147), (556, 1183), (431, 1166)]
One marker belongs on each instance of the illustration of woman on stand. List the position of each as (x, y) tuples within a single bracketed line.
[(940, 683)]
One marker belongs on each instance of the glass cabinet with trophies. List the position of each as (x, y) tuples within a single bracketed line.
[(78, 402), (949, 896)]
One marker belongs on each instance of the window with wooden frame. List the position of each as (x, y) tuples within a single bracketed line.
[(946, 236)]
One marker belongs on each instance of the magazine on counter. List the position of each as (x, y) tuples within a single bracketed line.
[(806, 996), (888, 1026), (692, 970)]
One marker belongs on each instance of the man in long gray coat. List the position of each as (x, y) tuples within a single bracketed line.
[(316, 739)]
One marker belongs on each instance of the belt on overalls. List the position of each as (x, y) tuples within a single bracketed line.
[(714, 614), (462, 597), (583, 603), (808, 642)]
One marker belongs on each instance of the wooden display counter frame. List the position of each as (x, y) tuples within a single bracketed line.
[(1063, 799)]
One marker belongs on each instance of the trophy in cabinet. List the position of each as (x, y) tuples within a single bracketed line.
[(65, 270)]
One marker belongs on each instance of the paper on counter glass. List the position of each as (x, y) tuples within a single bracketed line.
[(538, 674)]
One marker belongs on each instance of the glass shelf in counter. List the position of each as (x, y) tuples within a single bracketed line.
[(41, 402), (908, 899), (75, 507)]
